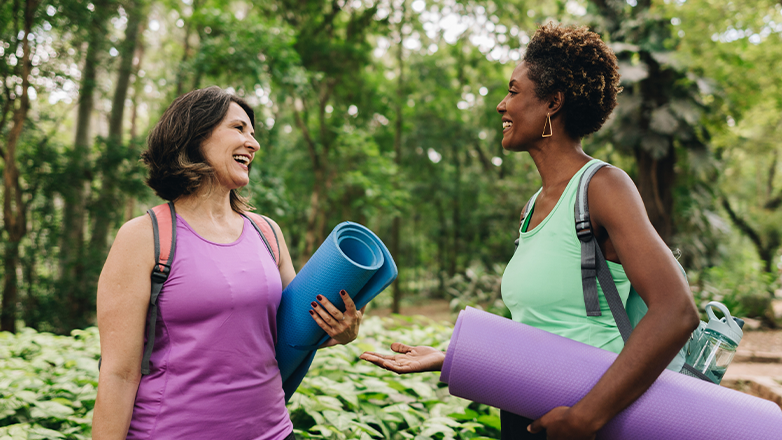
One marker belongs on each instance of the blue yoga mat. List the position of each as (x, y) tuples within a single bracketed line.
[(352, 258)]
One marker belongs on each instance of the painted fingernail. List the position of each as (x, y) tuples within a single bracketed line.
[(314, 304), (312, 312), (320, 297), (342, 292)]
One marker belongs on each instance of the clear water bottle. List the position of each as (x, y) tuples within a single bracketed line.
[(717, 344)]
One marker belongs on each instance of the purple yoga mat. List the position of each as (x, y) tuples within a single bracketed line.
[(529, 371)]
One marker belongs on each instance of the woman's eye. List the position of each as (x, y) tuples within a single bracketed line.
[(239, 127), (511, 92)]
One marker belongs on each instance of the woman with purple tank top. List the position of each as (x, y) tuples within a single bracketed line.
[(213, 372)]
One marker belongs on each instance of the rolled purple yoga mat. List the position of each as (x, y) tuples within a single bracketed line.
[(528, 371)]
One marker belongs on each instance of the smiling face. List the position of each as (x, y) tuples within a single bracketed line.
[(523, 113), (231, 147)]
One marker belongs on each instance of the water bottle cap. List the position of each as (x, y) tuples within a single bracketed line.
[(729, 328)]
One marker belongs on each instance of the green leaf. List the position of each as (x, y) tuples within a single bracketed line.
[(490, 420), (50, 409)]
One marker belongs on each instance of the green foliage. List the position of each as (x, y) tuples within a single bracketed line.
[(48, 389), (48, 384), (373, 111), (740, 283), (343, 397), (478, 287)]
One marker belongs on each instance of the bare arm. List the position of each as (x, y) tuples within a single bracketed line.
[(123, 297), (627, 235)]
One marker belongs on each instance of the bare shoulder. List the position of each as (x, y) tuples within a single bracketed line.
[(613, 197), (124, 282), (136, 233), (611, 180), (135, 243)]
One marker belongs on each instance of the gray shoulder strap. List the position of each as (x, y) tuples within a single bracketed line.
[(588, 242), (594, 267)]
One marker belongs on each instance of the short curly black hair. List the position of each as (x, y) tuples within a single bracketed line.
[(176, 162), (576, 62)]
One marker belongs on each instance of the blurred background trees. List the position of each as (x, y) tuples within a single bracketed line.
[(383, 112)]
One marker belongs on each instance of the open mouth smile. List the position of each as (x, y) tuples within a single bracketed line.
[(242, 159)]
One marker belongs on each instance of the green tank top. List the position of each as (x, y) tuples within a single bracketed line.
[(542, 282)]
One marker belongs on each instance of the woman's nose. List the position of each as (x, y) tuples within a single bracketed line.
[(501, 106), (253, 144)]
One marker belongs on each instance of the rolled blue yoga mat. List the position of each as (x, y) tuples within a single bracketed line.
[(352, 258), (529, 372)]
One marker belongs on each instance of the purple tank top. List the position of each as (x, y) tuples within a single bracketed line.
[(213, 372)]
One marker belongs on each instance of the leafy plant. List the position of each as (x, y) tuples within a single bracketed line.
[(478, 287), (740, 283), (48, 386)]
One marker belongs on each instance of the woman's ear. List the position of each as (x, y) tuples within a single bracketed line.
[(555, 102)]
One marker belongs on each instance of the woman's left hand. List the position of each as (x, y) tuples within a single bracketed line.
[(341, 326), (561, 424)]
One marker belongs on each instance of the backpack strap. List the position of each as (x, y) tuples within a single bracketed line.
[(164, 230), (593, 264), (524, 213), (265, 229)]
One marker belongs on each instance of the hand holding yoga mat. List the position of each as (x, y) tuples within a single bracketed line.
[(352, 258), (529, 371)]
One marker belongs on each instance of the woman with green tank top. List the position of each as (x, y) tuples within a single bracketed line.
[(564, 89)]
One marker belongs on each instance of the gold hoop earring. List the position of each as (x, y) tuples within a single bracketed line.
[(550, 128)]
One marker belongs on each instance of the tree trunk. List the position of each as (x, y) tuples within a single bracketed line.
[(10, 287), (396, 223), (314, 215), (109, 201), (75, 188), (14, 209), (656, 178), (453, 267), (323, 178), (130, 204)]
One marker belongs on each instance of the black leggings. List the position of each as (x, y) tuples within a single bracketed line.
[(514, 427), (291, 436)]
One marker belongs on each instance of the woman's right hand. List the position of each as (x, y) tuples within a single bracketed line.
[(409, 360)]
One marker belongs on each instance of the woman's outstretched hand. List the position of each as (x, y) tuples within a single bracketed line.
[(409, 360), (341, 326)]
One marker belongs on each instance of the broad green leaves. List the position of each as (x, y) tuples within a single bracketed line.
[(48, 384), (48, 389), (343, 397)]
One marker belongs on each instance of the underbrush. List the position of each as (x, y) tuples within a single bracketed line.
[(48, 386)]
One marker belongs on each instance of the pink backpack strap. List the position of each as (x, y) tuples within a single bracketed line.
[(164, 230), (265, 229)]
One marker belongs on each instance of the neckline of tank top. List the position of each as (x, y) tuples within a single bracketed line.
[(550, 215), (233, 243)]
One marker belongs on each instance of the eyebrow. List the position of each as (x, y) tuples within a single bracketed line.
[(510, 84), (244, 124)]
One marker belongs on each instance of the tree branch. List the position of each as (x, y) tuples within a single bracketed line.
[(297, 102), (743, 226), (772, 168), (324, 97)]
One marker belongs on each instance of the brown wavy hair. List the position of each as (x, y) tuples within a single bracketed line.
[(576, 62), (177, 166)]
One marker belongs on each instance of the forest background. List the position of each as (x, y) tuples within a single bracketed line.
[(383, 112), (380, 112)]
